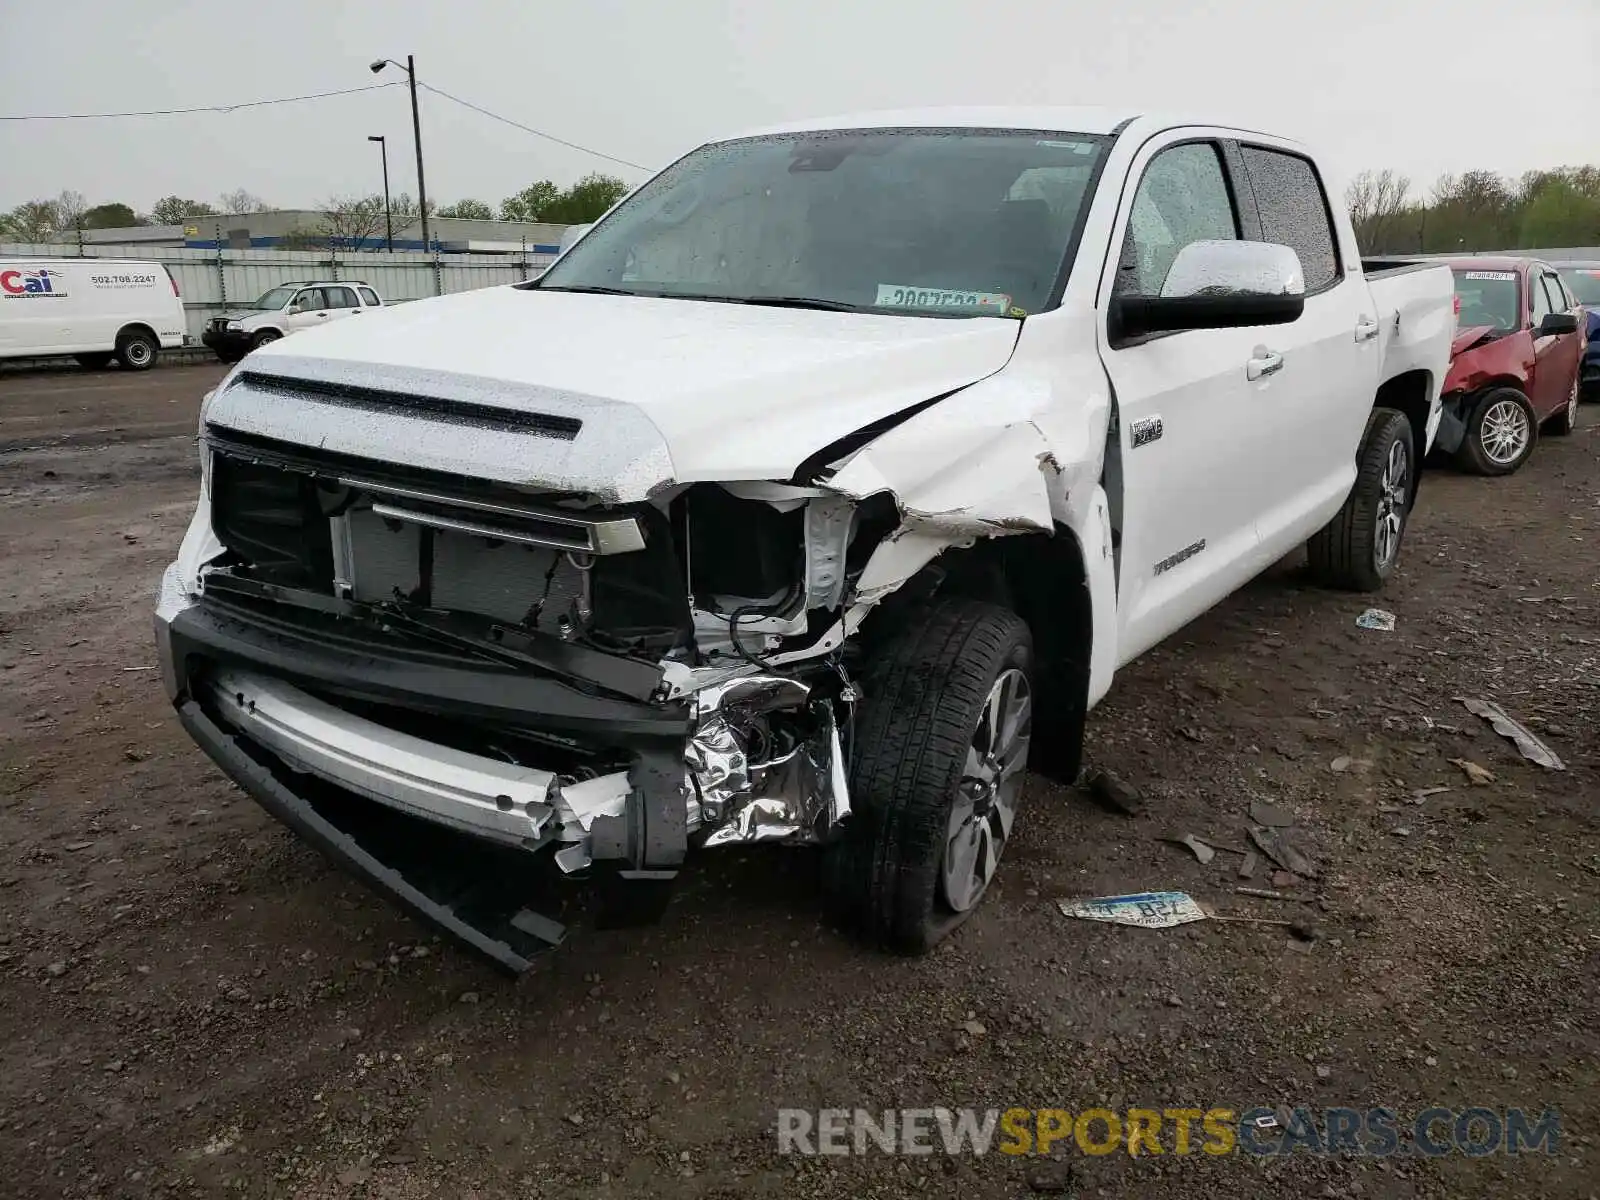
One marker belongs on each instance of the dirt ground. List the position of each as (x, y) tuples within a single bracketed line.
[(192, 1003)]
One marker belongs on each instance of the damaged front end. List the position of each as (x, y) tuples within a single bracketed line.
[(441, 679)]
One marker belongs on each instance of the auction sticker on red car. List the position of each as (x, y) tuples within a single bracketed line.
[(1507, 276)]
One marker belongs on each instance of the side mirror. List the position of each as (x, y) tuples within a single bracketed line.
[(1557, 323), (1218, 285)]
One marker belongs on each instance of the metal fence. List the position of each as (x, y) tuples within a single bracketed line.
[(213, 281)]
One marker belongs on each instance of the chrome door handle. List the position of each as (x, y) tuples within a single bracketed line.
[(1366, 329), (1262, 364)]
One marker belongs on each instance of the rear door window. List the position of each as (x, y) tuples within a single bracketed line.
[(1294, 211), (341, 297)]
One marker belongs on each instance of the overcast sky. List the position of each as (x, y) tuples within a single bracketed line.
[(1425, 86)]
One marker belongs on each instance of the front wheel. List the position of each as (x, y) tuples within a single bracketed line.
[(941, 743), (265, 338), (1501, 430), (1358, 549)]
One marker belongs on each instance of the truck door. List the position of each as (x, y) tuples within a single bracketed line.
[(1317, 408), (1192, 442)]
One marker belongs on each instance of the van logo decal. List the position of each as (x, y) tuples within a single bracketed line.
[(30, 285), (1145, 430), (1182, 556)]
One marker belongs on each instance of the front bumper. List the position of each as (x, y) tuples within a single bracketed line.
[(281, 709), (226, 341)]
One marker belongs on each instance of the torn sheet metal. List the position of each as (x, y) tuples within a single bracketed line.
[(798, 795), (576, 807), (1147, 910), (1531, 747)]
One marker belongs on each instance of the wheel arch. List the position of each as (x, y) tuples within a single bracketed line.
[(133, 327), (1043, 577)]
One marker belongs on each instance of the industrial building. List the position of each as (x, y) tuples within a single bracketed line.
[(290, 228)]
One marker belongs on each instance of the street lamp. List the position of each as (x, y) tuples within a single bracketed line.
[(416, 131), (388, 218)]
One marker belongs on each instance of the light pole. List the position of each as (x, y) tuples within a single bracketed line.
[(416, 131), (388, 218)]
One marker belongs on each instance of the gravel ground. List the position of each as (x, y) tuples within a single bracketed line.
[(192, 1003)]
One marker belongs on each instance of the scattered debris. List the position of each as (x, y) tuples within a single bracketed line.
[(1298, 930), (1475, 774), (138, 668), (1247, 869), (1148, 910), (1421, 794), (1263, 813), (78, 845), (1341, 764), (1531, 747), (1201, 851), (1265, 894), (1193, 734), (1376, 618), (1275, 845), (1400, 831), (1283, 879), (973, 1028), (1113, 793)]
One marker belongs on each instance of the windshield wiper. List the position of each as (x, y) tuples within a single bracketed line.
[(793, 302), (586, 289)]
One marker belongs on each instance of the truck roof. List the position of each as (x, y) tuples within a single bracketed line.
[(1067, 119)]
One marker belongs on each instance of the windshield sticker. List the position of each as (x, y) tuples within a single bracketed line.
[(1505, 276), (895, 296), (1075, 147)]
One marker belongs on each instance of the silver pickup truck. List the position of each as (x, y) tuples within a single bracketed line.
[(810, 496)]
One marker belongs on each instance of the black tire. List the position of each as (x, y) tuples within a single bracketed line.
[(265, 338), (1358, 549), (229, 356), (925, 693), (137, 350), (98, 361), (1473, 456), (1565, 421)]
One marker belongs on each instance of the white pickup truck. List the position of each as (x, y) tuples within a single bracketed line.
[(820, 487)]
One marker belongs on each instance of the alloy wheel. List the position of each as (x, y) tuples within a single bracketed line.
[(986, 797), (1504, 432), (1393, 495)]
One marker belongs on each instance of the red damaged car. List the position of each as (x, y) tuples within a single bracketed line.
[(1520, 337)]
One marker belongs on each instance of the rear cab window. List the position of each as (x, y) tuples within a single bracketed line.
[(1294, 212)]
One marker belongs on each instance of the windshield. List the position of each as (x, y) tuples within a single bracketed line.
[(1584, 283), (926, 222), (1487, 298), (277, 297)]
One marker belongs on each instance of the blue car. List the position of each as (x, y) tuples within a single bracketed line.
[(1583, 281)]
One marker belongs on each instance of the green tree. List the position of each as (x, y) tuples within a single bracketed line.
[(114, 215), (33, 221), (586, 200), (530, 203), (469, 210), (1560, 214), (175, 210)]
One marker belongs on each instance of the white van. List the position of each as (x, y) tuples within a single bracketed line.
[(90, 308)]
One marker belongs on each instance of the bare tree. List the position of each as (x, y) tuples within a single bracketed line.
[(1378, 201), (352, 220), (70, 207), (405, 211), (238, 202)]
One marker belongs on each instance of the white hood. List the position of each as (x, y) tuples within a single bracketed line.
[(732, 391)]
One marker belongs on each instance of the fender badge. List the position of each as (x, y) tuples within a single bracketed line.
[(1144, 431)]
